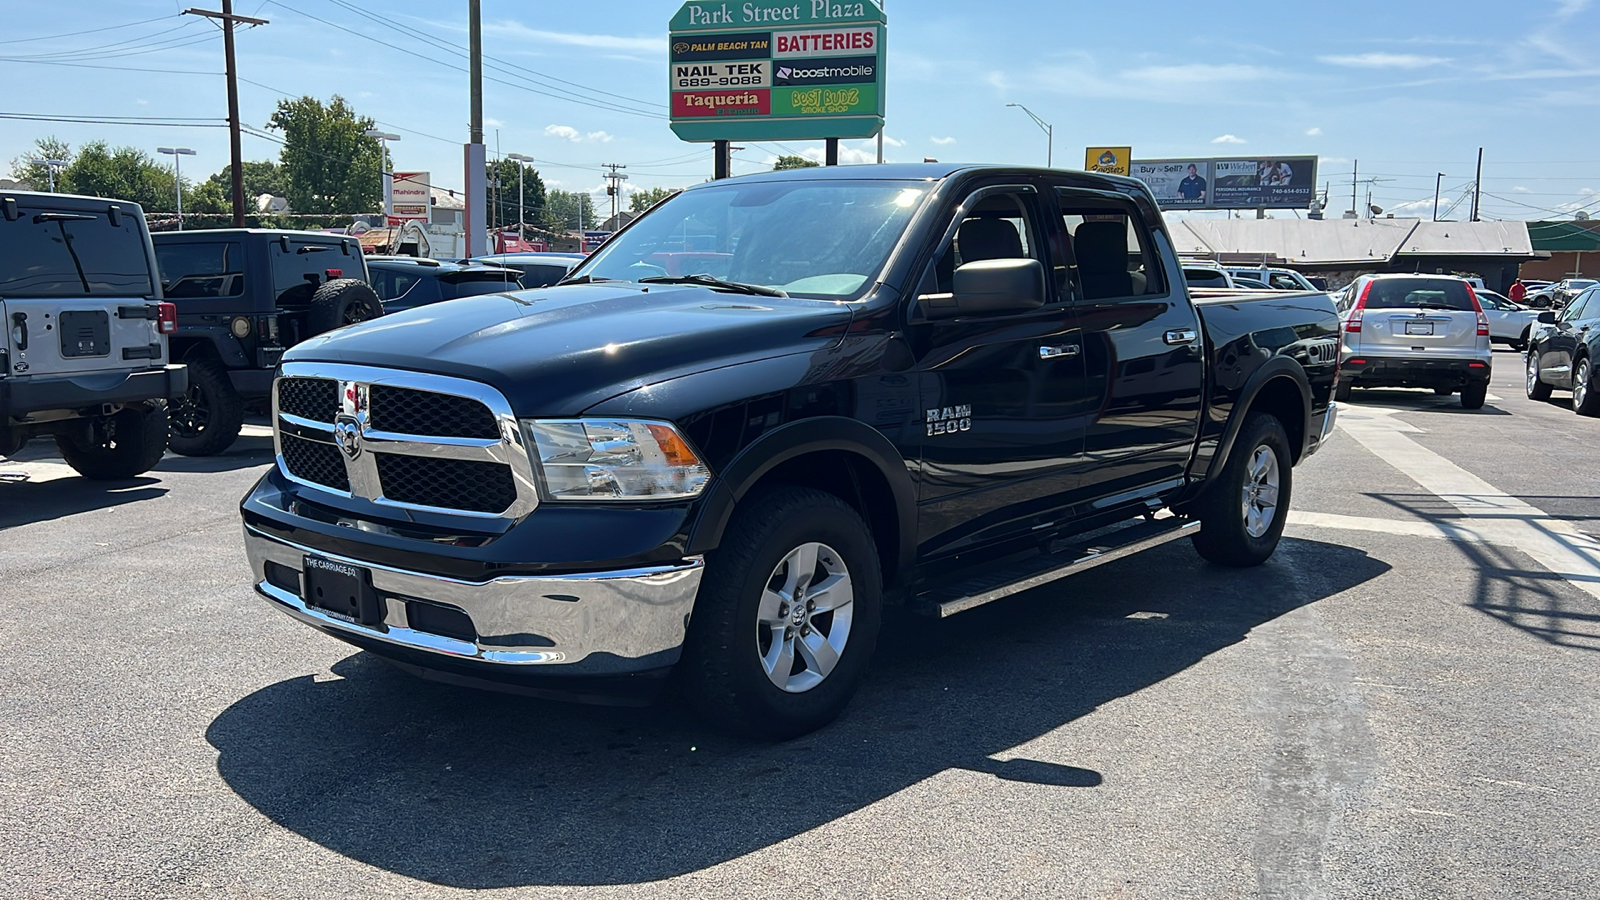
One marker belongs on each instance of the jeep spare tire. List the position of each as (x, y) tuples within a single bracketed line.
[(341, 302)]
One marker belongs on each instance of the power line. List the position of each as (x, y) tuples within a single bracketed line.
[(52, 37), (109, 47), (76, 65), (120, 120)]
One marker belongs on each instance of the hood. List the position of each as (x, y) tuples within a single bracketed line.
[(558, 351)]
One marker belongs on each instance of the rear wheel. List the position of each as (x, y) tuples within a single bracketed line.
[(206, 417), (1341, 391), (1537, 388), (1585, 399), (1521, 343), (1473, 395), (1242, 515), (787, 617), (125, 445)]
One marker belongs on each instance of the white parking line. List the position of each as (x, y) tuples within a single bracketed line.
[(1489, 514)]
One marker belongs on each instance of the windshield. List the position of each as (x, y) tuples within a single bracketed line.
[(822, 239)]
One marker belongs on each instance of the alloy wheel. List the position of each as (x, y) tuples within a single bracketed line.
[(803, 618), (1262, 484), (188, 415), (1580, 385)]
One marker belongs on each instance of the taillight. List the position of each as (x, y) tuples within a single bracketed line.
[(1483, 320), (167, 318), (1353, 323), (333, 273)]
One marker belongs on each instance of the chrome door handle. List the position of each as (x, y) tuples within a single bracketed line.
[(1180, 336), (1065, 351)]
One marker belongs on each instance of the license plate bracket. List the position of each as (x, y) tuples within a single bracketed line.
[(1422, 328), (343, 590)]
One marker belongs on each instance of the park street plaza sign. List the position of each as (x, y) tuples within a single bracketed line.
[(771, 70)]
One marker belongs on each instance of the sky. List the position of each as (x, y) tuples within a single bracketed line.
[(1409, 89)]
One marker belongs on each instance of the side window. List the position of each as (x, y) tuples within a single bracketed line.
[(1577, 308), (210, 269), (1109, 247), (1282, 282), (299, 271), (1000, 225)]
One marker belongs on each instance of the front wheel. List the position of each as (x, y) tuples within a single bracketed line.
[(787, 616), (126, 445), (1521, 343), (1242, 515), (1536, 386), (1585, 399)]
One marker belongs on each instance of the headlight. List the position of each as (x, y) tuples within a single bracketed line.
[(614, 459)]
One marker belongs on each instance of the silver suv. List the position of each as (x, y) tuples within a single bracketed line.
[(1414, 331)]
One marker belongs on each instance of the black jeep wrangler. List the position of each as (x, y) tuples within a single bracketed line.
[(83, 357), (243, 297)]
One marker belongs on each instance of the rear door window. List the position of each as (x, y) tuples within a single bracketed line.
[(1112, 258), (1420, 293), (58, 253), (305, 266)]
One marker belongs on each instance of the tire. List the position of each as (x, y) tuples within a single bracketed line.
[(1473, 395), (206, 417), (1536, 387), (341, 302), (1341, 391), (1521, 343), (1585, 399), (1229, 534), (731, 647), (129, 444), (1443, 391)]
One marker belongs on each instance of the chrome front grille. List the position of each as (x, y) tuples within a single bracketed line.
[(402, 439)]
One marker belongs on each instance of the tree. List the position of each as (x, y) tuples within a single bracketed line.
[(643, 200), (36, 174), (126, 173), (329, 166), (794, 162), (561, 211), (504, 172)]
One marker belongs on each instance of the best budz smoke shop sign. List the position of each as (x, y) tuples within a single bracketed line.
[(760, 70)]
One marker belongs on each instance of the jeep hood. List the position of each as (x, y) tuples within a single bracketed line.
[(558, 351)]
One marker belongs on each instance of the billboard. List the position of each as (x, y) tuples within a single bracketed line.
[(1265, 182), (1110, 160), (764, 70), (411, 196)]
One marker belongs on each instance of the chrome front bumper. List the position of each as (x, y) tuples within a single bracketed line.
[(598, 623)]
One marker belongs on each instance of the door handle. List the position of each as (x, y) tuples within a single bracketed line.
[(20, 330), (1065, 351), (1180, 336)]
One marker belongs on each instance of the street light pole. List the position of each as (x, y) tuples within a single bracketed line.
[(1049, 131), (50, 167), (386, 165), (522, 197), (1436, 184), (177, 154)]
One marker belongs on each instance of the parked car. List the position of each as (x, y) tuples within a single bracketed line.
[(1509, 323), (406, 282), (1562, 351), (1250, 284), (1204, 276), (243, 297), (538, 269), (1570, 288), (911, 379), (1275, 279), (84, 356), (1415, 331)]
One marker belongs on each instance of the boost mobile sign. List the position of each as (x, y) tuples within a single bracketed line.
[(761, 70)]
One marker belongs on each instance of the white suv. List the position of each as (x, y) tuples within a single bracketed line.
[(1415, 331)]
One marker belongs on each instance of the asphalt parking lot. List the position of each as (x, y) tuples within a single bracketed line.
[(1405, 702)]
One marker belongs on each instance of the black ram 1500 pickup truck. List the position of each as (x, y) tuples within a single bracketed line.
[(765, 410)]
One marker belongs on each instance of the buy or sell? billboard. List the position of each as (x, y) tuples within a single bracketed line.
[(1280, 182), (771, 70)]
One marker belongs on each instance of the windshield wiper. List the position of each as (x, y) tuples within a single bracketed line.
[(1441, 306), (759, 290), (581, 279)]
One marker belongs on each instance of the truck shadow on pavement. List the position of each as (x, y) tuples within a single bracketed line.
[(246, 452), (478, 790), (24, 502)]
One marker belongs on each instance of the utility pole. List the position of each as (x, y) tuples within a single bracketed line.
[(236, 156), (1049, 133), (476, 154), (177, 154), (614, 189), (1477, 187), (522, 197), (1355, 179), (1436, 183)]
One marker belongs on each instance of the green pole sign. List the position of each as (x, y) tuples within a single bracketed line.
[(770, 70)]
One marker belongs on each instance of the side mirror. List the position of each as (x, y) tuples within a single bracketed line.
[(990, 286), (1547, 318)]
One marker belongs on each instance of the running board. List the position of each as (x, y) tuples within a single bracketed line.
[(1080, 554)]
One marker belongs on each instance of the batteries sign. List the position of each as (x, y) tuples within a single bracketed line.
[(771, 70)]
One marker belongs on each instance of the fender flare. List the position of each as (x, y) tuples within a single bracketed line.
[(219, 337), (1274, 369), (796, 439)]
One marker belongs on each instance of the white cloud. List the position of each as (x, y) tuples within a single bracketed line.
[(493, 123), (565, 132), (600, 137), (1521, 190), (848, 155), (943, 141), (1313, 132), (891, 142), (1083, 75), (1384, 60), (652, 46), (1229, 139), (1571, 7), (142, 102)]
